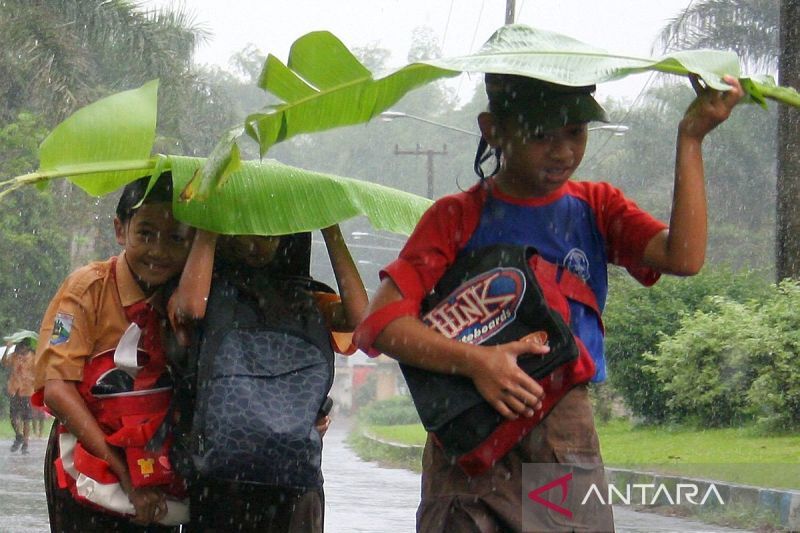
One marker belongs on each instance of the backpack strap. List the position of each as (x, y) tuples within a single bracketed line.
[(222, 308), (570, 285)]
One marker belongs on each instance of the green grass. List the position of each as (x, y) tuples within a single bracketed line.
[(386, 455), (5, 429), (404, 434), (737, 455)]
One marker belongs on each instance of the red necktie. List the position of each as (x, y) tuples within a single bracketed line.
[(147, 318)]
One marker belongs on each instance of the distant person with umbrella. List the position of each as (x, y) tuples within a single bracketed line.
[(18, 357)]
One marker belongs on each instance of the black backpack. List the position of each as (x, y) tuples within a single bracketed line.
[(488, 296), (254, 382)]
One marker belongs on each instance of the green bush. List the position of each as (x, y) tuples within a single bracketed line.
[(706, 366), (775, 393), (391, 412), (734, 363), (637, 317)]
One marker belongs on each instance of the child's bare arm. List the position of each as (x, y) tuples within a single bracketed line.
[(64, 400), (681, 249), (188, 302), (351, 287), (493, 369)]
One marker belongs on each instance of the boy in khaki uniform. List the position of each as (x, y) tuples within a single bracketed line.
[(85, 322)]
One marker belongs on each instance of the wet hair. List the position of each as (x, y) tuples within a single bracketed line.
[(482, 155), (537, 106), (134, 192), (25, 345)]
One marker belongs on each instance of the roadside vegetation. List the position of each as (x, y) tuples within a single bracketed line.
[(738, 455)]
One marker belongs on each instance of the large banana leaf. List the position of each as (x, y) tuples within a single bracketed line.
[(121, 128), (324, 86), (107, 144), (101, 146), (269, 198)]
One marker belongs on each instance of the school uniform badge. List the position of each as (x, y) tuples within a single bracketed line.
[(61, 328)]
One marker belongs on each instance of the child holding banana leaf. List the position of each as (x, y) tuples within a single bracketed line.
[(570, 231), (257, 371)]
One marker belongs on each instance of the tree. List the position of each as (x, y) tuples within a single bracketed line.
[(34, 249), (59, 55), (748, 27), (788, 187), (424, 44)]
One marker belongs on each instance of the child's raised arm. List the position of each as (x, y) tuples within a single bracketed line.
[(681, 249), (188, 302), (351, 287)]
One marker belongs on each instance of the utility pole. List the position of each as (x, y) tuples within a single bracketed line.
[(788, 186), (510, 11), (430, 155)]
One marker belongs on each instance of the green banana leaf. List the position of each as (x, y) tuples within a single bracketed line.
[(107, 144), (21, 335), (324, 86), (121, 127), (269, 198)]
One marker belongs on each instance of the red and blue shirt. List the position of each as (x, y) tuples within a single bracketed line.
[(583, 226)]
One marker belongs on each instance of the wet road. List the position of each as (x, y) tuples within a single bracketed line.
[(364, 498), (23, 508), (361, 497)]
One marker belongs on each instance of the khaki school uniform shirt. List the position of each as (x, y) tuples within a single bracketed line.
[(86, 317), (20, 378)]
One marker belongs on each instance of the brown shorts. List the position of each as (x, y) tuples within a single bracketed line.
[(20, 408), (492, 502)]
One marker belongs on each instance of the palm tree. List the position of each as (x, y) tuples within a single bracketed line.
[(748, 27), (59, 55)]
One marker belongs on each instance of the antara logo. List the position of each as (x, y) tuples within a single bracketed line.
[(480, 307), (652, 494), (563, 484), (630, 493)]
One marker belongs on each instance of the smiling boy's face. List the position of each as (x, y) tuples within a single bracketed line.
[(156, 245)]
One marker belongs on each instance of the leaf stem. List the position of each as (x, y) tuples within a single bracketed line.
[(78, 170)]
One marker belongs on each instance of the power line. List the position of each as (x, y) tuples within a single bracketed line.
[(430, 154), (447, 24)]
